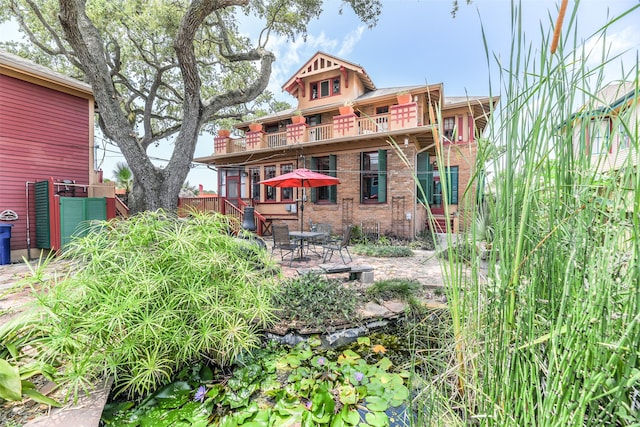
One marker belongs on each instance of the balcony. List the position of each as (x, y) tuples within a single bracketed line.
[(405, 116)]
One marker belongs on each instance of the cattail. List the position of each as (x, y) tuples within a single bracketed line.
[(558, 28)]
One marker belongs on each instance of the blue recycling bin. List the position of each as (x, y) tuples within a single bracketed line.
[(5, 243)]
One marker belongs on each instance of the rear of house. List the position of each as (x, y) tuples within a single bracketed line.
[(380, 143)]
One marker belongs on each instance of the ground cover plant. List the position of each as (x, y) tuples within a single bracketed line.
[(147, 296), (315, 300), (549, 334), (381, 250), (278, 386), (387, 289)]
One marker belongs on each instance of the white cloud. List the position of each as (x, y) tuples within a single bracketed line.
[(620, 48), (291, 55)]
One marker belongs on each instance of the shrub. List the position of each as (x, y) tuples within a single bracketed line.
[(150, 294), (316, 300)]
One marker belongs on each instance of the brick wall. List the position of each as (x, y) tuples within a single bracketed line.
[(349, 209)]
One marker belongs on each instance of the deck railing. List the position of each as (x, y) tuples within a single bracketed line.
[(186, 205), (276, 139), (321, 132), (403, 116)]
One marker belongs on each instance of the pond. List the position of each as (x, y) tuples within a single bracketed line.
[(364, 383)]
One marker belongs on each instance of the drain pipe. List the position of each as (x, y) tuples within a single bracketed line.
[(26, 186)]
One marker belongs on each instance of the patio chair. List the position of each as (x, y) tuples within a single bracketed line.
[(283, 242), (325, 229), (340, 245)]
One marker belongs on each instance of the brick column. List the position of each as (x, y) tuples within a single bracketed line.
[(255, 140), (345, 125), (403, 116), (297, 133)]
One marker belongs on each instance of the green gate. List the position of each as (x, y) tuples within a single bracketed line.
[(74, 211)]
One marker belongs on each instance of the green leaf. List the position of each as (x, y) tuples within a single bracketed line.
[(322, 406), (375, 403), (206, 374), (41, 398), (350, 416), (364, 341), (377, 419), (10, 384), (348, 395), (314, 341), (384, 363), (337, 420), (400, 393)]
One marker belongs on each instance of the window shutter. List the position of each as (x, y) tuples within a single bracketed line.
[(333, 189), (313, 165), (361, 176), (382, 176), (452, 184), (424, 170)]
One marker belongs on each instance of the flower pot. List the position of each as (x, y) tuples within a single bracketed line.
[(224, 133), (347, 109), (255, 127), (298, 119), (403, 98)]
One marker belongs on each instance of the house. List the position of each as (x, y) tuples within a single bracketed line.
[(604, 130), (47, 178), (380, 146)]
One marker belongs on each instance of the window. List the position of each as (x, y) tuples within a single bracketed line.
[(327, 166), (270, 192), (625, 138), (325, 88), (373, 170), (254, 173), (448, 126), (599, 136), (286, 193)]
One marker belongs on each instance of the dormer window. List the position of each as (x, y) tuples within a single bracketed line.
[(325, 88)]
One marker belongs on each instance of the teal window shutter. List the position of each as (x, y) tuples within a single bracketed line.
[(313, 165), (333, 190), (424, 171), (382, 176), (452, 184)]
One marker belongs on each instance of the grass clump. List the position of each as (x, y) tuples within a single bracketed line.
[(149, 295), (315, 300), (404, 289), (548, 336), (382, 251)]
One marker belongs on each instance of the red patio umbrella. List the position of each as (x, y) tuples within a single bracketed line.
[(301, 178)]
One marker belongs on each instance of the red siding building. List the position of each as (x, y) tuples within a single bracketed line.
[(46, 134)]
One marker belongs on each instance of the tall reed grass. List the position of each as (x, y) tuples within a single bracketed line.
[(549, 333)]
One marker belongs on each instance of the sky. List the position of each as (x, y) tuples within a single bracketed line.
[(419, 42)]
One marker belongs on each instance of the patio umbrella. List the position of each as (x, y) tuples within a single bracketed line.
[(301, 178)]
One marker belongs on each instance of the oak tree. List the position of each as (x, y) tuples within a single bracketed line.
[(162, 70)]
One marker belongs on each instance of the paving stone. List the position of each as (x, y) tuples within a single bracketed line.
[(371, 309), (395, 306), (86, 412)]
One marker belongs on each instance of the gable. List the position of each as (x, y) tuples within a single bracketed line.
[(321, 63)]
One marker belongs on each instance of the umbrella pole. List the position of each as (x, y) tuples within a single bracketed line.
[(302, 211)]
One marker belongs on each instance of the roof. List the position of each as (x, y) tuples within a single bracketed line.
[(18, 67), (322, 62), (614, 94)]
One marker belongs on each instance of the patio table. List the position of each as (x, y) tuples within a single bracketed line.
[(304, 237)]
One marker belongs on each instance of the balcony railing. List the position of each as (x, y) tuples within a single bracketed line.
[(277, 139), (399, 117)]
